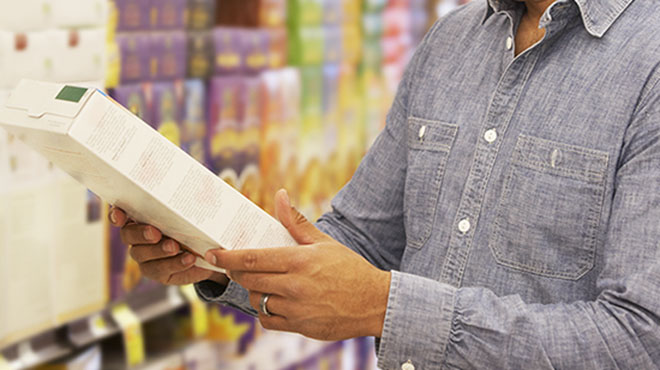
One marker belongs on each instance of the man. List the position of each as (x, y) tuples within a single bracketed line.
[(511, 204)]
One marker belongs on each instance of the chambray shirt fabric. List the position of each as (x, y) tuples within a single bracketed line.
[(516, 199)]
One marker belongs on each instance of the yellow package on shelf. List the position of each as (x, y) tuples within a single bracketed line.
[(127, 163), (199, 313), (132, 331)]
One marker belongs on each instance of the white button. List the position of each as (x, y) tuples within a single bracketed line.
[(422, 131), (464, 225), (408, 366), (509, 43), (490, 135)]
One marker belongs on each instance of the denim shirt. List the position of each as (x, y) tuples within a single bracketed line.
[(516, 199)]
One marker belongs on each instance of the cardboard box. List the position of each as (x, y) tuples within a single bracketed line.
[(134, 15), (78, 55), (223, 130), (165, 100), (168, 55), (193, 130), (201, 15), (200, 54), (128, 164), (168, 14), (306, 46), (134, 51), (25, 55), (229, 50), (133, 97), (25, 15)]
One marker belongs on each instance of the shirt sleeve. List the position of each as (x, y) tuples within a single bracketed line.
[(435, 326)]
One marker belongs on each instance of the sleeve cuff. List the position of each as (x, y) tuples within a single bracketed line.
[(417, 322), (232, 295)]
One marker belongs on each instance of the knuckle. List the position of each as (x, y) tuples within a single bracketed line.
[(250, 260), (293, 289)]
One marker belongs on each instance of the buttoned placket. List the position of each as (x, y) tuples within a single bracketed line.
[(500, 111)]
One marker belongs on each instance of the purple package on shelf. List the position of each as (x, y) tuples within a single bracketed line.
[(134, 15), (201, 14), (223, 125), (193, 124), (200, 52), (256, 50), (168, 55), (134, 53), (166, 107), (168, 14), (132, 97), (229, 50), (250, 120)]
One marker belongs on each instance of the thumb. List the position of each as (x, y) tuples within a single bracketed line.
[(303, 231)]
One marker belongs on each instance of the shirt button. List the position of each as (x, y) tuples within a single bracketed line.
[(509, 43), (422, 131), (490, 135), (464, 225), (408, 366)]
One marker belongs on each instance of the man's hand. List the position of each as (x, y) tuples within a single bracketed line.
[(320, 289), (160, 258)]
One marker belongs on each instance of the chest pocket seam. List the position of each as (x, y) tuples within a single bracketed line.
[(429, 145), (553, 162)]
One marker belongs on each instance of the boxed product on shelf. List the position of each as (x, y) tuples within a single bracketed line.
[(193, 128), (332, 50), (271, 138), (132, 96), (250, 125), (332, 12), (78, 55), (373, 6), (304, 13), (373, 49), (168, 14), (306, 46), (113, 64), (272, 13), (351, 11), (372, 25), (165, 101), (134, 15), (25, 55), (134, 51), (351, 42), (223, 127), (312, 96), (251, 13), (329, 156), (201, 14), (130, 165), (79, 13), (396, 20), (256, 50), (200, 54), (25, 15), (229, 46), (168, 55), (278, 47)]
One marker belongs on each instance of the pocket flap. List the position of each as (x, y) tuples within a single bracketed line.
[(430, 135), (562, 159)]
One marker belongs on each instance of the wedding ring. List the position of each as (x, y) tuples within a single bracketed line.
[(262, 305)]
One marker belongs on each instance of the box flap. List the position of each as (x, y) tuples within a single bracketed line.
[(39, 98)]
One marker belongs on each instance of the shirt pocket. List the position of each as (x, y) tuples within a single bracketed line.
[(549, 211), (429, 144)]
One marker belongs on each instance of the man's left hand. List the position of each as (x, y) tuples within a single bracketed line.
[(320, 289)]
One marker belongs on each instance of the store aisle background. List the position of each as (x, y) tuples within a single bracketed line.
[(266, 93)]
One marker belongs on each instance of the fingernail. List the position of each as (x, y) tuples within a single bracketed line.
[(188, 259), (169, 246), (113, 217), (211, 258), (148, 233)]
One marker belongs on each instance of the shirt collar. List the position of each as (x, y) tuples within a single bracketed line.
[(597, 15)]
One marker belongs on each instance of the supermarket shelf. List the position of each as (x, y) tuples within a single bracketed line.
[(64, 340)]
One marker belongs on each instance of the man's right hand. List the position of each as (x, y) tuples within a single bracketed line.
[(160, 258)]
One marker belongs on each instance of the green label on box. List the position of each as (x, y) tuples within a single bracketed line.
[(71, 93)]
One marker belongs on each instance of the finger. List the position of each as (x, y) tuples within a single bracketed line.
[(165, 248), (190, 276), (303, 231), (262, 260), (261, 282), (163, 269), (140, 234), (117, 217), (274, 305)]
